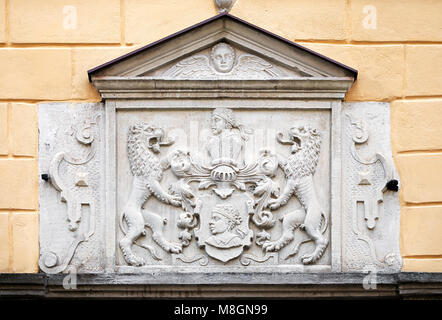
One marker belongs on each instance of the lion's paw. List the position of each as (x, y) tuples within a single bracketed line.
[(274, 204), (308, 258), (174, 248), (271, 246), (174, 200), (135, 261)]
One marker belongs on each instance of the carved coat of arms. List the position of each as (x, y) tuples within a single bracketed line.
[(237, 193)]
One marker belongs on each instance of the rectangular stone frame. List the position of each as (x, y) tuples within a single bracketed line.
[(113, 105)]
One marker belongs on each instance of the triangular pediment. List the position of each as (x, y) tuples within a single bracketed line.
[(222, 48), (240, 35)]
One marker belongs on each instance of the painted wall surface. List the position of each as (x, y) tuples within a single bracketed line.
[(47, 46)]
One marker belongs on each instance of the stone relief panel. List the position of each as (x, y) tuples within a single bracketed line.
[(224, 61), (370, 181), (71, 145), (217, 189), (223, 187)]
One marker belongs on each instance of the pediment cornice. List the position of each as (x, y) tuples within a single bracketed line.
[(263, 62)]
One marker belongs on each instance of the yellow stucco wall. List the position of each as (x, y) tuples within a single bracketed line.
[(45, 53)]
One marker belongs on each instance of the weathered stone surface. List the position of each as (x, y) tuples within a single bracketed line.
[(4, 141), (166, 177), (24, 242), (421, 231), (380, 68), (421, 176), (77, 21), (4, 242), (226, 198), (371, 212), (379, 20), (296, 20), (24, 129), (262, 285), (50, 77), (415, 125), (72, 155), (424, 66), (19, 184)]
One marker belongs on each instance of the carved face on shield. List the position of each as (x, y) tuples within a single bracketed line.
[(223, 225), (223, 57)]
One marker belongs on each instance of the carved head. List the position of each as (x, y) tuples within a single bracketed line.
[(300, 135), (223, 57), (224, 218), (180, 162), (222, 118), (153, 136)]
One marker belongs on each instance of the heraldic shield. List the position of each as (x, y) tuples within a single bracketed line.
[(221, 194), (224, 226)]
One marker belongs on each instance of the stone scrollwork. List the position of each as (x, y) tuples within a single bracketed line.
[(75, 195), (360, 136), (241, 193), (370, 170)]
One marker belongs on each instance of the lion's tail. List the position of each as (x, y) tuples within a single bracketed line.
[(324, 222), (122, 227)]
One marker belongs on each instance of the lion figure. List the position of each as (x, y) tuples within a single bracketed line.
[(299, 169), (144, 141)]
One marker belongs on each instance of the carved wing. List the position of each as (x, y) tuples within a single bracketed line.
[(250, 66), (192, 67)]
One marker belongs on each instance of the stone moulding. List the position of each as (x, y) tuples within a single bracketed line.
[(402, 286), (224, 150), (148, 87)]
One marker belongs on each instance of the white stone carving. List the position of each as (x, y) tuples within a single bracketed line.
[(219, 220), (368, 202), (299, 169), (223, 91), (75, 192), (143, 141), (224, 5), (223, 62)]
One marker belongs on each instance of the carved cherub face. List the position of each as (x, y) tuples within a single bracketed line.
[(223, 57)]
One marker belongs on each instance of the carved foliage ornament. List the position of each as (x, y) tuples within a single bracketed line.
[(242, 193)]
